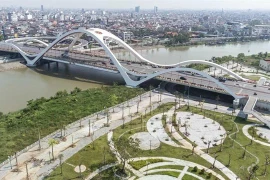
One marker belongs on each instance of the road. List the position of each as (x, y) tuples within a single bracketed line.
[(91, 59)]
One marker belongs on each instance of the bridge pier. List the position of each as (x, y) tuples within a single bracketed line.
[(49, 65), (56, 65), (31, 65)]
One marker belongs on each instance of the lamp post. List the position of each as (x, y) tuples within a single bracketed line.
[(9, 157)]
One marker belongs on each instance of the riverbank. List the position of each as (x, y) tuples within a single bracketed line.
[(11, 66), (19, 129)]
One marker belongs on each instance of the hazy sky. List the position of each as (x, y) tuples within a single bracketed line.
[(145, 4)]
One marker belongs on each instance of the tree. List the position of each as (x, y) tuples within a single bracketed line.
[(51, 143), (229, 163), (123, 145), (193, 147), (60, 156), (202, 103), (267, 162), (253, 171), (240, 56), (113, 100), (75, 90)]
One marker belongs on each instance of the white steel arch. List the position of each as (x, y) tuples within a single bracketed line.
[(101, 36)]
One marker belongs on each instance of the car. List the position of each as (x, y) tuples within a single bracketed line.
[(254, 85), (183, 78), (222, 79), (255, 94)]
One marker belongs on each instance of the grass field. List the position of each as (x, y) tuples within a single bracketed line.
[(92, 156)]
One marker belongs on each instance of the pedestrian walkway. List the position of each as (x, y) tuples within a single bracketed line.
[(245, 132), (78, 134), (172, 161)]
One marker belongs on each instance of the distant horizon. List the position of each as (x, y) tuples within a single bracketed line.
[(144, 4), (131, 9)]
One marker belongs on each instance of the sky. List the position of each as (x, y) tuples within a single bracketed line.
[(144, 4)]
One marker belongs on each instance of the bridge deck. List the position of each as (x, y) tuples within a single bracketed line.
[(250, 104), (249, 109)]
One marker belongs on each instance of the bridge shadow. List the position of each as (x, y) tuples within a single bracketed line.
[(76, 73)]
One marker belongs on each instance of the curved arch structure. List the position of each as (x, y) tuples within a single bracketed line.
[(102, 37)]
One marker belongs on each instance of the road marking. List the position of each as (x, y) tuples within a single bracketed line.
[(240, 91)]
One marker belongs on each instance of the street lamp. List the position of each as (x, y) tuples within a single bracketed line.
[(9, 157)]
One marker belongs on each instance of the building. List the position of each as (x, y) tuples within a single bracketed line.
[(265, 64), (12, 17), (41, 8), (137, 9), (155, 9), (127, 36)]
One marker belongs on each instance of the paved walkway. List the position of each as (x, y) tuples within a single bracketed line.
[(156, 129), (79, 136), (245, 132), (173, 161), (201, 153)]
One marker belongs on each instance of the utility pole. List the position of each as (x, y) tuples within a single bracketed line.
[(39, 144), (89, 126)]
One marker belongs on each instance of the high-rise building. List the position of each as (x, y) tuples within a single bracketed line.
[(9, 16), (41, 8), (155, 9), (137, 9)]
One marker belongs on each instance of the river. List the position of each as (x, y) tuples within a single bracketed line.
[(202, 52), (21, 85)]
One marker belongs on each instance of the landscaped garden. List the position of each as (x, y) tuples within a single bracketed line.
[(244, 157)]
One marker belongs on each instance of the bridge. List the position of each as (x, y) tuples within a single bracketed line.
[(134, 72)]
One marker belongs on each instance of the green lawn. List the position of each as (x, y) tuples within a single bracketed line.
[(140, 164), (20, 129), (168, 173), (170, 167), (188, 177), (251, 77), (238, 164), (92, 156)]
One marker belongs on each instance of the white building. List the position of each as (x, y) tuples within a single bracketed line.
[(265, 64), (127, 36)]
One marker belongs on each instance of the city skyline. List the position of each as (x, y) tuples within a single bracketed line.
[(144, 4)]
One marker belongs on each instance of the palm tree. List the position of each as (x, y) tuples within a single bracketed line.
[(202, 103), (60, 156), (51, 143)]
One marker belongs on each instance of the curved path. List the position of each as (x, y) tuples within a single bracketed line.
[(172, 161), (245, 132)]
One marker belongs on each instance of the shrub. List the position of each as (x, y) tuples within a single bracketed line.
[(202, 171), (195, 169), (209, 175)]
